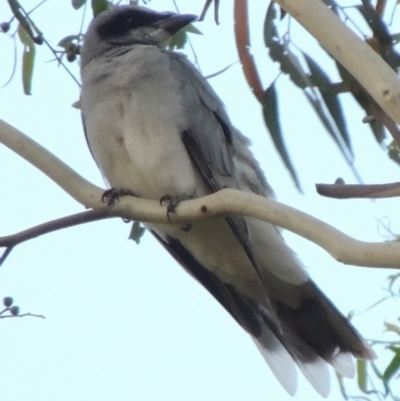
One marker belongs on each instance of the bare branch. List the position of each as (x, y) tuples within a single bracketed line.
[(229, 201), (22, 315), (387, 121), (75, 185), (54, 225), (10, 241), (344, 191), (223, 203)]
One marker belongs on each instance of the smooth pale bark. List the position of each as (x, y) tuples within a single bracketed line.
[(228, 201), (370, 70)]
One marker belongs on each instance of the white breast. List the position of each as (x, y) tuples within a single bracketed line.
[(134, 121)]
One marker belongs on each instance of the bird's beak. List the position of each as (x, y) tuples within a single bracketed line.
[(176, 22)]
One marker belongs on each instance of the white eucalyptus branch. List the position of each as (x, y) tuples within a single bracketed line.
[(80, 189), (226, 202), (370, 70)]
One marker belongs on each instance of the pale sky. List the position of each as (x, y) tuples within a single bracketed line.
[(124, 321)]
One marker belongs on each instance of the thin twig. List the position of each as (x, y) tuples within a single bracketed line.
[(22, 315), (10, 241), (5, 254), (215, 74), (387, 121), (16, 8)]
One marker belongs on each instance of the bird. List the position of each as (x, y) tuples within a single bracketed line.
[(157, 129)]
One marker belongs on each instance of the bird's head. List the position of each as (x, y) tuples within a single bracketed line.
[(129, 25)]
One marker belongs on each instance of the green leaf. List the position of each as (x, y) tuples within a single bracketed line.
[(271, 118), (270, 30), (362, 375), (28, 59), (378, 129), (314, 99), (78, 3), (392, 279), (290, 65), (392, 327), (279, 52), (393, 367), (137, 232), (24, 36), (364, 100), (178, 40), (380, 376), (333, 104), (16, 10), (98, 6)]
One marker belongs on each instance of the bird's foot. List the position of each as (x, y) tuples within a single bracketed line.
[(113, 194), (173, 202)]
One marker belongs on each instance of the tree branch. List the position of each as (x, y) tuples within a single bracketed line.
[(223, 203), (344, 191), (10, 241), (380, 81), (80, 189)]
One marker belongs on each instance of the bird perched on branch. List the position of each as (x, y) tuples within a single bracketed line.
[(156, 127)]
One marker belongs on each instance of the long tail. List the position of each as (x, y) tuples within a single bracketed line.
[(312, 336)]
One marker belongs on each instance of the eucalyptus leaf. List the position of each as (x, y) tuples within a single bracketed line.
[(98, 6), (333, 104), (271, 118), (28, 59), (394, 365), (279, 51), (362, 376), (24, 36), (76, 4), (178, 41), (137, 232)]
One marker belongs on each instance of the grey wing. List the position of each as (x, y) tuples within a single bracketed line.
[(210, 141), (86, 137), (296, 306)]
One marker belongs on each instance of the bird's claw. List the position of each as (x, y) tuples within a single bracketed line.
[(173, 202), (113, 194)]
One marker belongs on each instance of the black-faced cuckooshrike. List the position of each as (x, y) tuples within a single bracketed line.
[(155, 126)]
